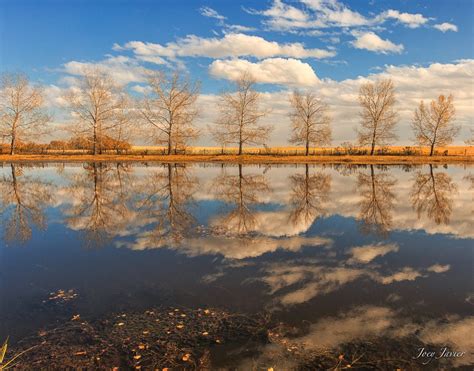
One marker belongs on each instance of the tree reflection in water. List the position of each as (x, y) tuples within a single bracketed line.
[(165, 199), (377, 201), (22, 202), (309, 195), (100, 206), (432, 193), (244, 192)]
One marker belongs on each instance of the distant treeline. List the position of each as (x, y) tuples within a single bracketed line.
[(106, 118)]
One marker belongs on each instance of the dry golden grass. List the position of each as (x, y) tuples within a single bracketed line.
[(253, 159), (392, 150)]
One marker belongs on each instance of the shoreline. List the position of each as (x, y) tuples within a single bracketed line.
[(245, 159)]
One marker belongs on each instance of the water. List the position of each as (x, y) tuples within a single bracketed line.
[(344, 252)]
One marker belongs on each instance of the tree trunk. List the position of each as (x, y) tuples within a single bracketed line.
[(373, 149), (94, 142), (307, 149), (431, 149), (12, 145), (240, 148), (169, 147)]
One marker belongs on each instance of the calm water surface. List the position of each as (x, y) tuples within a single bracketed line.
[(345, 252)]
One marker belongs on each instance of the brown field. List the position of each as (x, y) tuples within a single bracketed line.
[(455, 155), (292, 151)]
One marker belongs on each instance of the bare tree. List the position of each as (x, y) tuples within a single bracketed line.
[(433, 126), (98, 105), (310, 119), (239, 115), (170, 109), (378, 118), (22, 113), (470, 141)]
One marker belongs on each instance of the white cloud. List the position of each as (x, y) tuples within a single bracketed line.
[(231, 45), (211, 13), (273, 70), (373, 42), (444, 27), (408, 19), (237, 28), (334, 13), (123, 69), (317, 14)]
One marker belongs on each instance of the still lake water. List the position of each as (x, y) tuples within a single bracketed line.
[(347, 252)]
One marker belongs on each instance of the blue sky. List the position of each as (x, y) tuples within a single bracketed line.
[(308, 41)]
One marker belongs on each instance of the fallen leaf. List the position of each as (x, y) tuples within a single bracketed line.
[(120, 324), (138, 356), (75, 317), (205, 333), (186, 357), (207, 311), (179, 326), (80, 353), (141, 346), (146, 332)]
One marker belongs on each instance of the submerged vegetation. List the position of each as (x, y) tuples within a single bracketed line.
[(203, 339)]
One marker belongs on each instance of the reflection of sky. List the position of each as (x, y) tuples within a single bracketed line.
[(323, 270)]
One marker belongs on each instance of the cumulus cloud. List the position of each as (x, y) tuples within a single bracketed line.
[(231, 45), (314, 14), (272, 70), (123, 69), (371, 41), (408, 19), (444, 27)]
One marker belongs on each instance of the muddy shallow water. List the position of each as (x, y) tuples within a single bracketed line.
[(331, 255)]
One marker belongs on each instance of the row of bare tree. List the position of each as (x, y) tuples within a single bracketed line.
[(166, 113), (112, 199)]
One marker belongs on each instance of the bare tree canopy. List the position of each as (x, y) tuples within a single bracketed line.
[(378, 118), (97, 104), (433, 126), (239, 115), (170, 109), (310, 120), (22, 113)]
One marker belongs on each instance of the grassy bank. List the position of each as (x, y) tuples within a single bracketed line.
[(244, 159)]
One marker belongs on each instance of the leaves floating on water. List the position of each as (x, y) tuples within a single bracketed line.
[(62, 296)]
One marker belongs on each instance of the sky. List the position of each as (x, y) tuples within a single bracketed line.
[(329, 46)]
